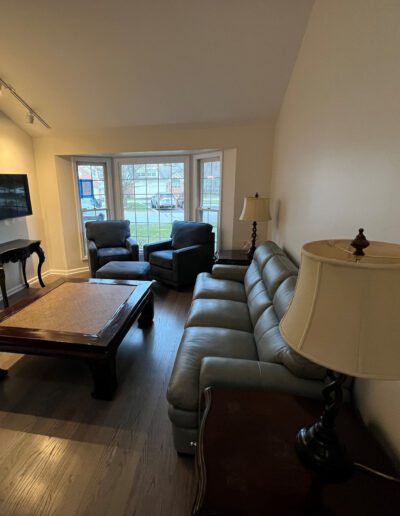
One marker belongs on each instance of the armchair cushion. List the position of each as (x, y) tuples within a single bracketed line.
[(106, 254), (155, 246), (110, 233), (187, 233), (162, 258)]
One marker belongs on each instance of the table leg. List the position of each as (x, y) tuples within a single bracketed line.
[(3, 286), (146, 317), (40, 253), (104, 377), (3, 373), (23, 262)]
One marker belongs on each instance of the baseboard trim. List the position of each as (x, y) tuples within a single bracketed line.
[(34, 279)]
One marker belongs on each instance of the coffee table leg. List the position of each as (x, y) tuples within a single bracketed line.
[(104, 377), (146, 317), (3, 373), (3, 286)]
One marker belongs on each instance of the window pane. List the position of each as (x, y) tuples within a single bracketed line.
[(210, 192), (92, 195), (152, 198)]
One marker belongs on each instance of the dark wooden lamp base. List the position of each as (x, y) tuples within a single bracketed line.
[(318, 446), (252, 249)]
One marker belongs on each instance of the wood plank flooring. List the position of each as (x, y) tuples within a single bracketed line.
[(63, 453)]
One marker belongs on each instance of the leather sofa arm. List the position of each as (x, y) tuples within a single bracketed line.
[(163, 245), (133, 248), (92, 256), (233, 373), (230, 272)]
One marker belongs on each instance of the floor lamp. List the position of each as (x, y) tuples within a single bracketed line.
[(344, 316), (255, 209)]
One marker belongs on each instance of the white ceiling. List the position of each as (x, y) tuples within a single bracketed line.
[(114, 63)]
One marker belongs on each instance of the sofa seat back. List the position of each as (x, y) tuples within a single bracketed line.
[(269, 283)]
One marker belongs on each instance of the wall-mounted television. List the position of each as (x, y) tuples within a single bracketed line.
[(15, 200)]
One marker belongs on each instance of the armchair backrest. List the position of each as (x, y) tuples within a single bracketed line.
[(108, 233), (187, 233)]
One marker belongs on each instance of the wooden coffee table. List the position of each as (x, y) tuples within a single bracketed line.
[(78, 318)]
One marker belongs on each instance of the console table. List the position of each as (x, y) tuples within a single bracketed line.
[(19, 250), (247, 463)]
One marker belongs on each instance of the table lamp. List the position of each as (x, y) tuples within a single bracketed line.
[(344, 316), (255, 209)]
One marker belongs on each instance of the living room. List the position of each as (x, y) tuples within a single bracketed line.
[(300, 106)]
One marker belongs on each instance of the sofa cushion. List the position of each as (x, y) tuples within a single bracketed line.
[(187, 233), (208, 287), (107, 254), (197, 343), (252, 276), (284, 295), (272, 348), (220, 313), (265, 251), (275, 271), (257, 301), (162, 258)]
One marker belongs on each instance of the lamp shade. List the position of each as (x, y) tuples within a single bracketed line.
[(255, 209), (345, 313)]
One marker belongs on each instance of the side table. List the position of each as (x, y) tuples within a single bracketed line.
[(232, 257), (247, 462), (19, 250)]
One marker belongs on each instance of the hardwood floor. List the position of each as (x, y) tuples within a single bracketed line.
[(63, 453)]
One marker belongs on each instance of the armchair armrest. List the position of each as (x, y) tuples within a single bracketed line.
[(189, 261), (252, 375), (156, 246), (230, 272), (92, 256), (133, 248), (185, 252)]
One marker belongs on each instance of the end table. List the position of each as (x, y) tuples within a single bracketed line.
[(232, 257), (247, 463)]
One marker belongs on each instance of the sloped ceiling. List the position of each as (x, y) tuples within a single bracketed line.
[(113, 63)]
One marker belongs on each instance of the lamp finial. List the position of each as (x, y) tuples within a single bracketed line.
[(360, 243)]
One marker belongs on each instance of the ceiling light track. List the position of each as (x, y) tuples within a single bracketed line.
[(31, 115)]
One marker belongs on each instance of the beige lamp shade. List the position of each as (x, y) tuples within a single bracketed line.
[(255, 209), (345, 313)]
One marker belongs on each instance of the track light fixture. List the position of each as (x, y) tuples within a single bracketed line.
[(30, 117), (31, 114)]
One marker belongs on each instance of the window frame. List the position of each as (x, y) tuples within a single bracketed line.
[(199, 159), (109, 195), (151, 159)]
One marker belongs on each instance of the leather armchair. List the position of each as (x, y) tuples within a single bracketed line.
[(179, 260), (108, 241)]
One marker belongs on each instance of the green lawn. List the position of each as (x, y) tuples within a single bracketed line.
[(148, 233)]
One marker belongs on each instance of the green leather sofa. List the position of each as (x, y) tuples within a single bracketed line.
[(232, 339)]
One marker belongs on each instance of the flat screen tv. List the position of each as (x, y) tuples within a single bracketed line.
[(15, 200)]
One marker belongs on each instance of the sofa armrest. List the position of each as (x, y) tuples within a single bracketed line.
[(230, 272), (163, 245), (92, 256), (252, 375), (133, 248)]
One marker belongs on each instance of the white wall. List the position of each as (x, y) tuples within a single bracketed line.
[(16, 157), (337, 148)]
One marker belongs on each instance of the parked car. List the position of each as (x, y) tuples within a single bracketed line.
[(166, 201), (90, 216)]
